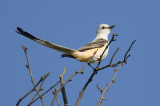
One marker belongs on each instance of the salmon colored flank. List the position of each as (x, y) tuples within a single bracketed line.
[(88, 53)]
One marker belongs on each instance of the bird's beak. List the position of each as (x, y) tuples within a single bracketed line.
[(110, 27)]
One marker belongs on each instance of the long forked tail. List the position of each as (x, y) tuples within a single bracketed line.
[(46, 43)]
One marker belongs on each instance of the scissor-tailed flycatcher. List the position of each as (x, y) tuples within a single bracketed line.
[(83, 54)]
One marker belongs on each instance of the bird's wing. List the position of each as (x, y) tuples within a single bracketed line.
[(95, 44), (46, 43)]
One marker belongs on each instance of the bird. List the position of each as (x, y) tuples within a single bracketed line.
[(93, 49)]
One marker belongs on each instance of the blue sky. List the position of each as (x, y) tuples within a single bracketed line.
[(68, 23)]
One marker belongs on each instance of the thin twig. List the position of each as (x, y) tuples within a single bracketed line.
[(32, 80), (44, 77), (57, 101), (33, 89), (113, 55), (57, 91), (108, 85), (99, 88), (126, 56), (44, 92)]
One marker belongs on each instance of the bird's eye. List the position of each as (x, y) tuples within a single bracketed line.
[(103, 27)]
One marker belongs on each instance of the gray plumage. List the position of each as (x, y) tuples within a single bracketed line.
[(95, 44)]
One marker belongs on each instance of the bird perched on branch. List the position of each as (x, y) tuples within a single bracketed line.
[(83, 54)]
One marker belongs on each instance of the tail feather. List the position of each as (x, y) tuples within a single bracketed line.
[(46, 43)]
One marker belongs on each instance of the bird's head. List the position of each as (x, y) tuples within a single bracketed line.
[(104, 30)]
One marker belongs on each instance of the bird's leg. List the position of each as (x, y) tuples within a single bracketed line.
[(90, 65)]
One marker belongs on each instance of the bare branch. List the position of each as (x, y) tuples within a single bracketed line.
[(108, 85), (70, 79), (33, 89), (126, 56), (44, 77), (44, 92), (85, 86), (35, 85), (32, 80), (63, 89), (113, 56), (57, 101), (99, 88)]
